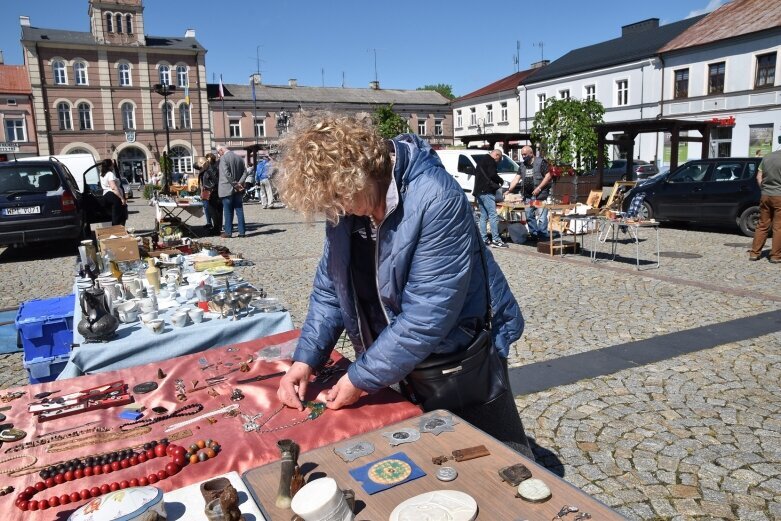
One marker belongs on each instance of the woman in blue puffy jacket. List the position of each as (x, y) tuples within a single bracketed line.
[(401, 272)]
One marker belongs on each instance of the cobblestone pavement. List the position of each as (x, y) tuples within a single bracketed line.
[(697, 436)]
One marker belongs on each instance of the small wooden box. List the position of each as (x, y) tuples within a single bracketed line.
[(557, 248)]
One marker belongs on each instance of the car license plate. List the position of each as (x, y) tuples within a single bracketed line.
[(26, 210)]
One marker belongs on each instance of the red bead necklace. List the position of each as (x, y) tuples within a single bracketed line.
[(179, 458)]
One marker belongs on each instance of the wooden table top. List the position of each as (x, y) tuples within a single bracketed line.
[(478, 477)]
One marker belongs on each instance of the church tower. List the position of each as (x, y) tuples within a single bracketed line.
[(118, 22)]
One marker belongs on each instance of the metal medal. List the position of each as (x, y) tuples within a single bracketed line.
[(436, 424), (145, 387), (405, 435), (352, 451), (447, 474)]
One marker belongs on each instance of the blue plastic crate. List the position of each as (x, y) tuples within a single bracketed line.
[(45, 369), (46, 327)]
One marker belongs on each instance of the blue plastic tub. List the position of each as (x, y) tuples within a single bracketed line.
[(46, 329), (45, 369)]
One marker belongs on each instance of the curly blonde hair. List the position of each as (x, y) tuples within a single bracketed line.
[(330, 160)]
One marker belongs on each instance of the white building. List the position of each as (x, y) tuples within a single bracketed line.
[(624, 74), (723, 68), (491, 110)]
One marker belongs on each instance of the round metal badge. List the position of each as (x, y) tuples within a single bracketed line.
[(447, 474), (145, 387)]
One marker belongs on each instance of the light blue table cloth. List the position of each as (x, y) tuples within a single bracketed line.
[(134, 344)]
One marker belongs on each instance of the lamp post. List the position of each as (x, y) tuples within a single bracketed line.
[(165, 90)]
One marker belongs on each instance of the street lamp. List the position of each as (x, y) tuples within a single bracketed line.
[(165, 90)]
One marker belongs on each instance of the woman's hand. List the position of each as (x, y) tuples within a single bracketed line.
[(292, 388), (342, 394)]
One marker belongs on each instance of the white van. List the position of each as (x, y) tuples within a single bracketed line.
[(462, 165), (78, 165)]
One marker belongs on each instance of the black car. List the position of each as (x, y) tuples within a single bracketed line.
[(720, 190), (616, 171), (40, 201)]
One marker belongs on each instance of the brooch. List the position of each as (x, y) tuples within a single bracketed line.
[(353, 451), (405, 435), (436, 424)]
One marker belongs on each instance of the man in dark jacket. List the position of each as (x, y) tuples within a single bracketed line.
[(487, 182)]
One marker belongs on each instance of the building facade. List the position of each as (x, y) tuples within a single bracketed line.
[(95, 91), (239, 120), (493, 109), (16, 113), (724, 69), (623, 74)]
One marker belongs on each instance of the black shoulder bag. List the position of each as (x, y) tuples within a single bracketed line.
[(455, 381)]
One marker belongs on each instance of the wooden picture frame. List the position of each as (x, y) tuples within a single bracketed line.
[(594, 198), (616, 198)]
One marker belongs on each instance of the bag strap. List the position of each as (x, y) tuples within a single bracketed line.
[(488, 314)]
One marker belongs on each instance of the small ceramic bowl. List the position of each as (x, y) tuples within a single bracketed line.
[(179, 319), (128, 316), (156, 326), (196, 315), (148, 316), (146, 305)]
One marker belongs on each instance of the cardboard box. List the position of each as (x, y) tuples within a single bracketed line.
[(123, 248), (557, 248), (105, 231)]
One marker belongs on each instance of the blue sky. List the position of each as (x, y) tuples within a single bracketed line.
[(416, 42)]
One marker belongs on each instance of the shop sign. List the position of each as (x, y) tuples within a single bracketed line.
[(9, 148), (724, 122)]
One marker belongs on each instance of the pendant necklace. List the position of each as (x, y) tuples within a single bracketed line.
[(316, 408)]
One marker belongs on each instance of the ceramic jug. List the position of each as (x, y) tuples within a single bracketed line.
[(96, 322)]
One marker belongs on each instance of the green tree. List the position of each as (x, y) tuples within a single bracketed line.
[(167, 168), (388, 123), (565, 130), (443, 88)]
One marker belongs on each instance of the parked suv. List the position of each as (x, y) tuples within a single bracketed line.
[(616, 171), (40, 201), (719, 190)]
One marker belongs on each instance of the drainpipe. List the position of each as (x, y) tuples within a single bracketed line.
[(660, 116), (46, 111)]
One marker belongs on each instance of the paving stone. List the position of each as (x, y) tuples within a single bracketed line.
[(716, 509)]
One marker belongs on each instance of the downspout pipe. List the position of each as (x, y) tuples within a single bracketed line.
[(660, 115)]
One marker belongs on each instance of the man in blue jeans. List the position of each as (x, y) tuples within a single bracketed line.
[(487, 182), (230, 188)]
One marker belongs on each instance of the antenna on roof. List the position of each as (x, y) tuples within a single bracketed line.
[(375, 64), (517, 57), (322, 76), (342, 79), (541, 45)]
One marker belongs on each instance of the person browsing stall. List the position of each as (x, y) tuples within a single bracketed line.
[(403, 270), (113, 194), (487, 182), (230, 188), (535, 180)]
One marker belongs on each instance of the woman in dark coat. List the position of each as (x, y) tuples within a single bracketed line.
[(208, 181)]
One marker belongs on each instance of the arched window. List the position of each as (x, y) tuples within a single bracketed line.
[(184, 115), (124, 75), (129, 24), (85, 116), (109, 23), (168, 115), (80, 73), (119, 23), (182, 160), (181, 75), (60, 74), (78, 151), (64, 116), (128, 116), (165, 75)]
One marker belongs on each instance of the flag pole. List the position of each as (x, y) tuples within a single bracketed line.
[(224, 115)]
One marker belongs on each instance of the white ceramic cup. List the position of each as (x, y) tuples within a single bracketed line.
[(128, 316), (196, 315), (146, 305), (179, 319), (148, 316), (321, 499), (156, 326)]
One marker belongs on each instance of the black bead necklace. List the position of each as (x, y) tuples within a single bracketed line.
[(193, 408)]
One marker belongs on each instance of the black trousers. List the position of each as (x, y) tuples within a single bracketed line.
[(215, 211), (117, 209)]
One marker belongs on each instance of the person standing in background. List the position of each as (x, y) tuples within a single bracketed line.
[(230, 187), (264, 183), (487, 182), (536, 182), (769, 179), (113, 195)]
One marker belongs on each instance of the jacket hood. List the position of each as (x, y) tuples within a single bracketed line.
[(413, 157)]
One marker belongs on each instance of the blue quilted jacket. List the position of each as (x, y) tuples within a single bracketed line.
[(430, 279)]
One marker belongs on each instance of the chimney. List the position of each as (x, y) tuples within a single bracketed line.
[(255, 78), (24, 21), (638, 27), (292, 82), (374, 85), (189, 33), (540, 64)]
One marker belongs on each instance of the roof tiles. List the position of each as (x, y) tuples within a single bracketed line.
[(13, 79)]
